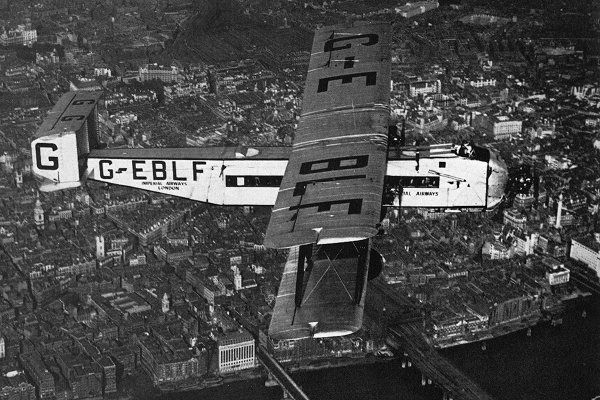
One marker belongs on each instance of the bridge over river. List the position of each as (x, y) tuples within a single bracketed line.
[(433, 365)]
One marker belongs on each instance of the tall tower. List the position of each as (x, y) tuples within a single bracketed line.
[(237, 277), (237, 281), (18, 178), (165, 303), (38, 212), (100, 253), (2, 348), (453, 222), (559, 211)]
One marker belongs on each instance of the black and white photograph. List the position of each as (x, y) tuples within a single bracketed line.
[(299, 199)]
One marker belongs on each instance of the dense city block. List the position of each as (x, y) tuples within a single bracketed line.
[(107, 291)]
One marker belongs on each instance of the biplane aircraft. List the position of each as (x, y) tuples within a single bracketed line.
[(327, 190)]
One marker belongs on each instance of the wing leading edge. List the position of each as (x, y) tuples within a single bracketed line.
[(332, 187)]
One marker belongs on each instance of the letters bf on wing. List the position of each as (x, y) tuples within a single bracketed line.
[(341, 164), (333, 164)]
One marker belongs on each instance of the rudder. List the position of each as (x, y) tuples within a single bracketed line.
[(64, 141)]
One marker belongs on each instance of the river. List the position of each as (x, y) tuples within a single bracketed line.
[(554, 363)]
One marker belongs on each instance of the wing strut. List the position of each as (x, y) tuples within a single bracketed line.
[(305, 265), (362, 248)]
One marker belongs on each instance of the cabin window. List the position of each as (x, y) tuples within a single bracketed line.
[(423, 182), (253, 181), (348, 163), (442, 164), (319, 166)]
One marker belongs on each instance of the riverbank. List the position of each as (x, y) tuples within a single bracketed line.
[(259, 372), (336, 362), (197, 384), (553, 363), (497, 331), (553, 314)]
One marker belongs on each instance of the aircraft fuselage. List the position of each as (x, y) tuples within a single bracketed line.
[(438, 177)]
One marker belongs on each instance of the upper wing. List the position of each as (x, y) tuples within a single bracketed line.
[(332, 187)]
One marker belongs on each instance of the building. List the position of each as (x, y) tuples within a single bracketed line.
[(22, 35), (523, 200), (574, 201), (58, 214), (512, 309), (172, 254), (500, 127), (100, 252), (556, 273), (155, 71), (84, 85), (424, 87), (558, 162), (205, 288), (566, 219), (474, 81), (77, 267), (236, 351), (447, 326), (295, 59), (425, 121), (102, 72), (147, 234), (165, 304), (497, 250), (83, 375), (525, 243), (127, 303), (38, 212), (479, 82), (587, 250), (14, 386), (587, 90), (169, 361), (39, 375), (515, 218), (109, 375), (136, 260), (125, 359), (413, 9)]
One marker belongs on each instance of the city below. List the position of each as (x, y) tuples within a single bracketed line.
[(109, 291)]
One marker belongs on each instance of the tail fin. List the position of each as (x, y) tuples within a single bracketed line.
[(55, 161), (64, 141)]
